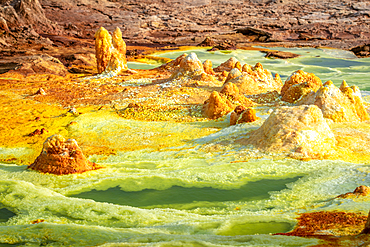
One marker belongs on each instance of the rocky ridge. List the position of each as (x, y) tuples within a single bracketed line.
[(342, 24)]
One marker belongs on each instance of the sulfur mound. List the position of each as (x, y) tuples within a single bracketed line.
[(220, 104), (60, 156), (299, 131), (187, 65), (243, 115), (255, 80), (217, 106), (228, 65), (233, 94), (207, 66), (299, 84), (342, 104), (110, 51)]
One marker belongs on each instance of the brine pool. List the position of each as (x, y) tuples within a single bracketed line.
[(190, 186)]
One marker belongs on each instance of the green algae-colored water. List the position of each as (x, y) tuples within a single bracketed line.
[(327, 64), (200, 190)]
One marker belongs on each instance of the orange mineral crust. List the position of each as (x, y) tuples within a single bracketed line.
[(328, 223), (60, 156)]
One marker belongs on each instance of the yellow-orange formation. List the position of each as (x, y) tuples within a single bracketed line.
[(243, 115), (233, 74), (300, 132), (343, 104), (187, 65), (233, 94), (228, 65), (361, 190), (217, 106), (103, 44), (118, 42), (254, 80), (60, 156), (220, 104), (110, 52), (299, 84), (207, 66)]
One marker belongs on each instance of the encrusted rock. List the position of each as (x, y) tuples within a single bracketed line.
[(299, 131), (60, 156), (227, 66), (103, 44), (110, 52), (207, 66), (299, 84), (41, 91), (256, 80), (188, 65), (233, 94), (243, 115), (217, 106), (263, 98), (233, 74), (361, 190), (340, 105)]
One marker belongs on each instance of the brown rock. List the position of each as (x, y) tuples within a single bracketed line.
[(226, 45), (217, 106), (39, 64), (25, 13), (361, 190), (243, 115), (250, 31), (339, 105), (280, 54), (299, 131), (78, 59), (366, 229), (208, 41), (361, 50), (3, 24), (60, 157), (299, 84)]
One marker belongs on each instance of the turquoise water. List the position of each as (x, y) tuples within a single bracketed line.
[(187, 185)]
